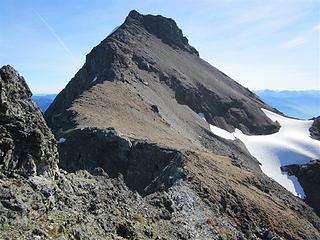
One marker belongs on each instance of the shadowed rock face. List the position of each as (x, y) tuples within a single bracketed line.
[(145, 167), (309, 178), (315, 128), (27, 145)]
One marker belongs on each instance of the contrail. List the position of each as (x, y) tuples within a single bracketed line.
[(54, 34)]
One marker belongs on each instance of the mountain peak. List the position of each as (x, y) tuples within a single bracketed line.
[(135, 14), (164, 28), (150, 50)]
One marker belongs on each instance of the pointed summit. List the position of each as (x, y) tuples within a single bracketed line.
[(148, 50), (164, 28)]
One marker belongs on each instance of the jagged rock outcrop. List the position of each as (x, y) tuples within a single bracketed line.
[(27, 145), (315, 128), (308, 176), (91, 148)]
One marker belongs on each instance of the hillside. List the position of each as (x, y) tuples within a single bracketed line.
[(138, 161)]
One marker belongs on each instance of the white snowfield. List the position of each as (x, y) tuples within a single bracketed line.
[(292, 144)]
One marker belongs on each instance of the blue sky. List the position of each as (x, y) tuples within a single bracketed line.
[(261, 44)]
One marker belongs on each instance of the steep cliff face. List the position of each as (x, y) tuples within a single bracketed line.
[(27, 145)]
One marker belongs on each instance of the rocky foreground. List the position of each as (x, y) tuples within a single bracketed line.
[(135, 160)]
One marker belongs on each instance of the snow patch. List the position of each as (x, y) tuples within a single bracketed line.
[(292, 144), (222, 133), (61, 140), (218, 131)]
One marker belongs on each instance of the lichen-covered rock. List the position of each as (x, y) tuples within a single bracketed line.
[(27, 145)]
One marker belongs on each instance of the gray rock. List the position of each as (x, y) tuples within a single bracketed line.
[(315, 128), (137, 171), (27, 145), (93, 148), (309, 177)]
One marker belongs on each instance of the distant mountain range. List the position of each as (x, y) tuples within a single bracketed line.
[(299, 104), (43, 101)]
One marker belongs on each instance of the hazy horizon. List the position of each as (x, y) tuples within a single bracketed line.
[(253, 90), (300, 104)]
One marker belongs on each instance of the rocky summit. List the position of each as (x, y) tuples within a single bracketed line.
[(136, 158)]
